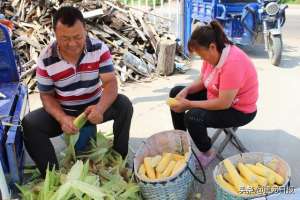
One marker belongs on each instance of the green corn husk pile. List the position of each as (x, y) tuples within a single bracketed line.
[(103, 176)]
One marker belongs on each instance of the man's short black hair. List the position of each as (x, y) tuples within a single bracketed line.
[(67, 15)]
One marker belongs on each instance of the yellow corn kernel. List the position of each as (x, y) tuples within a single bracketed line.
[(148, 168), (186, 156), (247, 173), (273, 164), (278, 179), (178, 166), (234, 175), (142, 170), (155, 160), (172, 101), (159, 175), (177, 157), (225, 185), (228, 178), (169, 169), (262, 181), (162, 165), (262, 172)]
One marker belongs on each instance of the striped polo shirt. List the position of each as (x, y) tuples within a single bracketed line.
[(75, 86)]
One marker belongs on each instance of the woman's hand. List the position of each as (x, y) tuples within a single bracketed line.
[(183, 93), (181, 105)]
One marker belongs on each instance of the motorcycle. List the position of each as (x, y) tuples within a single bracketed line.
[(245, 22), (273, 18)]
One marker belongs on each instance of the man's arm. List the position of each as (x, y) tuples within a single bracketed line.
[(52, 106), (110, 91)]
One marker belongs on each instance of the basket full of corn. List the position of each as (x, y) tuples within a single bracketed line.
[(251, 175), (164, 166)]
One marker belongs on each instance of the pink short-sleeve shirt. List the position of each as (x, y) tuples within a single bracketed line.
[(234, 71)]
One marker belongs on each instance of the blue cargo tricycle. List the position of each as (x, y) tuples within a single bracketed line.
[(245, 22)]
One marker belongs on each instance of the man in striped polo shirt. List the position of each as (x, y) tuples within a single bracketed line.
[(75, 74)]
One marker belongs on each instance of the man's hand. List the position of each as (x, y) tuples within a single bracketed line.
[(67, 125), (181, 105), (94, 114)]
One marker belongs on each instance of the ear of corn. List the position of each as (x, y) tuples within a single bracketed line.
[(155, 160), (253, 185), (226, 185), (172, 101), (162, 165), (159, 175), (71, 139), (234, 175), (177, 157), (80, 120), (149, 169), (278, 179), (262, 172), (245, 172), (142, 170), (178, 166), (274, 164), (252, 177), (228, 178), (261, 181), (167, 172), (186, 156)]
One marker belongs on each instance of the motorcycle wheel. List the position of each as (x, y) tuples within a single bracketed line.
[(275, 49)]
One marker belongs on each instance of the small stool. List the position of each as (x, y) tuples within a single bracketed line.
[(230, 137)]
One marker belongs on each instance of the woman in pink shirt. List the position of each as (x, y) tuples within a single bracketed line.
[(225, 93)]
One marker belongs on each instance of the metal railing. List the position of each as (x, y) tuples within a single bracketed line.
[(165, 14)]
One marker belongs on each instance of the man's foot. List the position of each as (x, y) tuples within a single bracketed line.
[(206, 158)]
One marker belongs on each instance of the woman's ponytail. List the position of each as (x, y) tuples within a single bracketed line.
[(221, 38), (207, 34)]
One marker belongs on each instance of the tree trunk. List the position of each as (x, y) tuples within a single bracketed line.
[(166, 56)]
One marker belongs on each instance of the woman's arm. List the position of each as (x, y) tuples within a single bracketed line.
[(196, 86), (224, 101)]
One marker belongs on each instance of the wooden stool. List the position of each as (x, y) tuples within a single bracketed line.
[(230, 137)]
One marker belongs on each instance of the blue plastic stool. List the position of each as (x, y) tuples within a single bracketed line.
[(87, 133)]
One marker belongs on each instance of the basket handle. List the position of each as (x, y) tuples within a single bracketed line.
[(133, 174), (201, 167)]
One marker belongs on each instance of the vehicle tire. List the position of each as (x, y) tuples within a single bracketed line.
[(275, 49)]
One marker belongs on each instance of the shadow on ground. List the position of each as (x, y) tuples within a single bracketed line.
[(290, 55)]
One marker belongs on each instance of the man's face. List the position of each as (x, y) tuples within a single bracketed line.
[(71, 40)]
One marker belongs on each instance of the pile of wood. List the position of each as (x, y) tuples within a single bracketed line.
[(132, 39)]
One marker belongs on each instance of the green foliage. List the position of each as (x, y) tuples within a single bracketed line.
[(290, 1)]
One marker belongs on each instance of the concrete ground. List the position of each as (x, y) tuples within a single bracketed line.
[(276, 127)]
